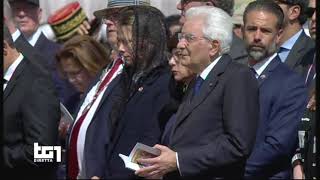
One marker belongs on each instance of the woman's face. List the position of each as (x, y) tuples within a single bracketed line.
[(180, 73), (76, 74), (125, 44)]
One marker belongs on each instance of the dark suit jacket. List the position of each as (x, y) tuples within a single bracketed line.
[(138, 123), (282, 102), (98, 132), (66, 91), (215, 132), (303, 45), (307, 61), (31, 114), (30, 53), (43, 53)]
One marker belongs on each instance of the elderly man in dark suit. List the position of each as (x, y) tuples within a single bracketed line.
[(237, 49), (294, 43), (27, 14), (282, 94), (31, 114), (216, 123)]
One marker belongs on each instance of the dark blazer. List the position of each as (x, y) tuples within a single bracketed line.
[(282, 102), (43, 53), (303, 45), (30, 53), (306, 62), (98, 132), (31, 114), (215, 132), (139, 122), (66, 91)]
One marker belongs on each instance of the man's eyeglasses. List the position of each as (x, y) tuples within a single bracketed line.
[(310, 11), (190, 37)]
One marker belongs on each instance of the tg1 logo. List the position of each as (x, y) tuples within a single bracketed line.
[(46, 153)]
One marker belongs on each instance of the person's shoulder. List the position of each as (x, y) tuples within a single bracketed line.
[(36, 69), (286, 75), (237, 67), (44, 41)]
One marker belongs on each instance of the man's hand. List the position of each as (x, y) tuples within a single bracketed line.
[(158, 166), (63, 128), (298, 172), (84, 28)]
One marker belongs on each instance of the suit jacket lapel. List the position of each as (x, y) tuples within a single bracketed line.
[(109, 89), (268, 70), (12, 82), (208, 85), (295, 55)]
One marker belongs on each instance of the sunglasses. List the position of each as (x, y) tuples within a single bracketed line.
[(310, 11)]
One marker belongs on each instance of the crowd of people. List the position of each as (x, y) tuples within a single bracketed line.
[(217, 99)]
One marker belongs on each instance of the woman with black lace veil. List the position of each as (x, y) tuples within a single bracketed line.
[(142, 89)]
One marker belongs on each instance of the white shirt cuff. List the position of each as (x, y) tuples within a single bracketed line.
[(15, 35), (178, 163)]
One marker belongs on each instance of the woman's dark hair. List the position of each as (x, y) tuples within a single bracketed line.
[(148, 44)]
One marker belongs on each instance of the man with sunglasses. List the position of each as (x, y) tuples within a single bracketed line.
[(237, 49), (294, 43), (304, 161)]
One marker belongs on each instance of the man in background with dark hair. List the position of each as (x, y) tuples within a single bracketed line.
[(31, 114), (294, 43), (237, 50), (282, 94), (173, 24)]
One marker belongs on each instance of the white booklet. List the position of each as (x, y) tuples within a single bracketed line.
[(139, 151), (65, 114)]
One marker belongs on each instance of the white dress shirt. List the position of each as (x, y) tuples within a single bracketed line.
[(9, 73), (261, 66)]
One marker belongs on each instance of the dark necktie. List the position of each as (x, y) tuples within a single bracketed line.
[(197, 85), (254, 72), (283, 53), (4, 81), (73, 166)]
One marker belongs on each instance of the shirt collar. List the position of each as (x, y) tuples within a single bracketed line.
[(290, 42), (208, 69), (8, 74), (261, 66), (34, 37), (16, 35)]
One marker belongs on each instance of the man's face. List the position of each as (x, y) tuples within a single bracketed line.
[(195, 48), (290, 11), (76, 74), (184, 5), (111, 23), (261, 34), (27, 17), (312, 19)]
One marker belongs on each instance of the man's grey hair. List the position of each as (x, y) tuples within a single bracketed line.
[(7, 10), (217, 25)]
